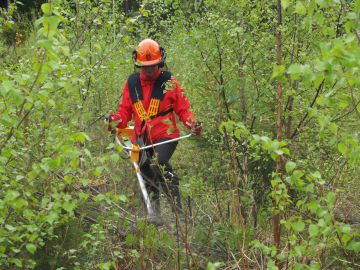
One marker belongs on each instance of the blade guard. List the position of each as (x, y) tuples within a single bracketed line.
[(125, 133)]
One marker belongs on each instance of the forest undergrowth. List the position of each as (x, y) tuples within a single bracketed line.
[(272, 183)]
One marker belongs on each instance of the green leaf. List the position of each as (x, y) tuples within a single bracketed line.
[(278, 70), (130, 240), (28, 214), (16, 97), (309, 188), (345, 229), (11, 195), (16, 261), (98, 171), (333, 128), (115, 157), (81, 137), (20, 203), (46, 8), (6, 86), (110, 146), (51, 217), (100, 197), (285, 4), (323, 3), (300, 8), (345, 238), (69, 206), (330, 198), (299, 250), (290, 166), (31, 248), (271, 265), (313, 230), (343, 148), (286, 151), (144, 12), (53, 22), (295, 69), (123, 198), (213, 266), (106, 265), (298, 226), (10, 228), (354, 245), (72, 154), (44, 43), (49, 30)]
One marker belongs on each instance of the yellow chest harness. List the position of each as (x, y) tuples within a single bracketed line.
[(157, 95)]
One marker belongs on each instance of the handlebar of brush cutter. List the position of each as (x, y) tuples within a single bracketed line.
[(152, 145)]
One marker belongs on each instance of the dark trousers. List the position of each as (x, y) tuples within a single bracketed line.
[(158, 172)]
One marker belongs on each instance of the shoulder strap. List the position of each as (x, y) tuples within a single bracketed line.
[(157, 94), (135, 87), (160, 84)]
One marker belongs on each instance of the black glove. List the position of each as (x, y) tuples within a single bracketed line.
[(107, 118)]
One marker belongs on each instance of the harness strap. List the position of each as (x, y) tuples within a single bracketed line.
[(152, 117), (157, 94), (140, 111), (153, 107), (162, 113)]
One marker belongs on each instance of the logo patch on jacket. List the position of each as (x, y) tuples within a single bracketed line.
[(169, 86)]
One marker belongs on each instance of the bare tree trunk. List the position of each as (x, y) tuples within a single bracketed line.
[(243, 107), (290, 102), (279, 164), (289, 118), (237, 208)]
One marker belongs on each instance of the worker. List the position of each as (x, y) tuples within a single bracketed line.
[(152, 98)]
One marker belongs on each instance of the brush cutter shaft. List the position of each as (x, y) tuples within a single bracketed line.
[(143, 189)]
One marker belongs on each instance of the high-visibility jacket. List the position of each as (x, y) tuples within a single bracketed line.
[(163, 126)]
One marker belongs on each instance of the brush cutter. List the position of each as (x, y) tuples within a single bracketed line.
[(134, 152)]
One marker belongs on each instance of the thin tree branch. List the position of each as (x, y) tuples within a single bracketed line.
[(306, 114), (222, 78), (338, 21), (209, 68), (357, 33), (349, 112)]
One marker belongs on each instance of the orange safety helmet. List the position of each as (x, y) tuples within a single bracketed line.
[(149, 53)]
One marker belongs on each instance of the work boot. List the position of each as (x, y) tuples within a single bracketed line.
[(170, 185)]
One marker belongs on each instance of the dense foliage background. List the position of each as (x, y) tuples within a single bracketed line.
[(273, 183)]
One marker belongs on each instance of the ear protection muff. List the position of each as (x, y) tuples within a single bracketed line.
[(163, 56), (134, 55)]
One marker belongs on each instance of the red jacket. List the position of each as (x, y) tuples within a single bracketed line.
[(162, 126)]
